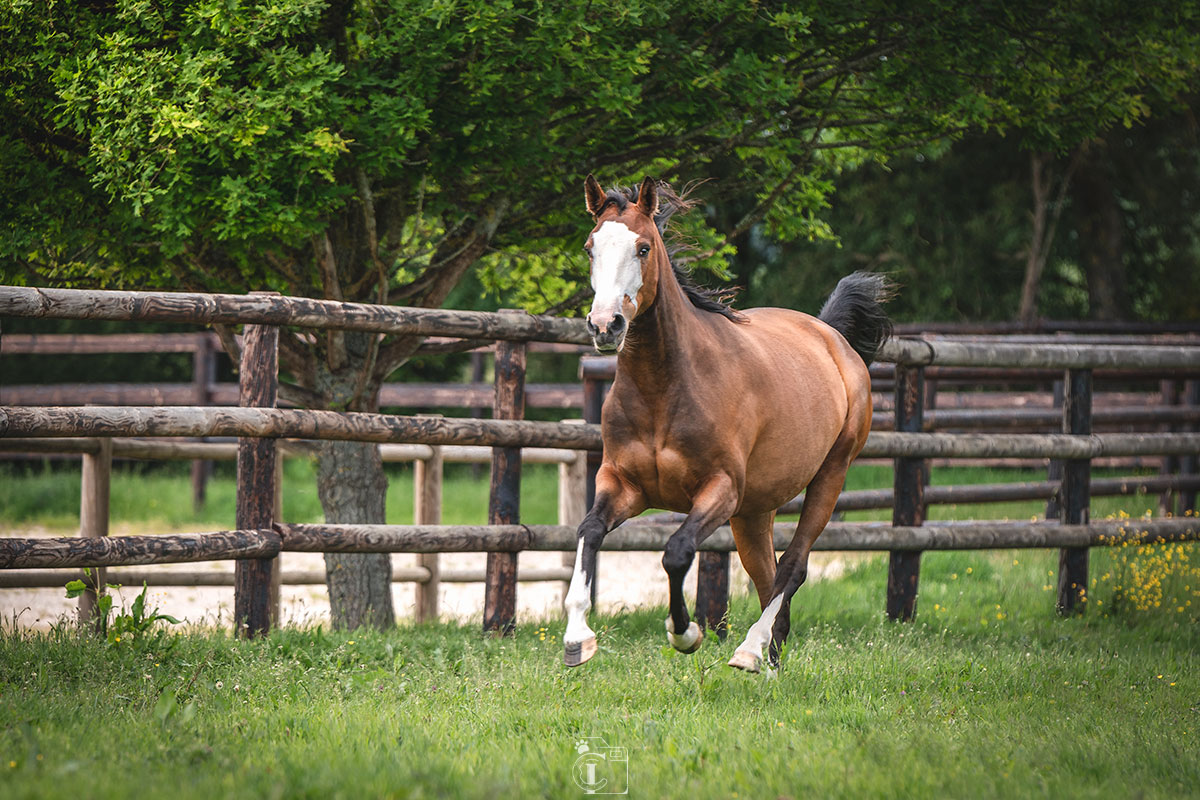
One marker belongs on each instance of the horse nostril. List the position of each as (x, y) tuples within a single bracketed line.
[(592, 330), (618, 323)]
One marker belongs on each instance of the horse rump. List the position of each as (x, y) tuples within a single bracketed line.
[(855, 310)]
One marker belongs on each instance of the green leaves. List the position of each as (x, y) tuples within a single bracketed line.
[(178, 142), (130, 625)]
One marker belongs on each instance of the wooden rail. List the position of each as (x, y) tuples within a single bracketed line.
[(299, 312), (186, 421), (44, 552)]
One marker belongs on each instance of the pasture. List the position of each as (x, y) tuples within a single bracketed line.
[(987, 694)]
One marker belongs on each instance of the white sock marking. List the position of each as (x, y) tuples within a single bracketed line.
[(579, 600), (759, 635)]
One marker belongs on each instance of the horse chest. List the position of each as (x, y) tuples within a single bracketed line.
[(668, 466)]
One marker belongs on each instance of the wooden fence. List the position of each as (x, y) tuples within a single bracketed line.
[(260, 537)]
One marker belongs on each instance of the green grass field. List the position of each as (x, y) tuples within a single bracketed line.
[(987, 694)]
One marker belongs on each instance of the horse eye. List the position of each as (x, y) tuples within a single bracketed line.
[(643, 251), (587, 250)]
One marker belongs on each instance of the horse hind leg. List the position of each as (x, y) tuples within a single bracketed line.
[(773, 626), (755, 540)]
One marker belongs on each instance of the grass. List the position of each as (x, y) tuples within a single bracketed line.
[(990, 695)]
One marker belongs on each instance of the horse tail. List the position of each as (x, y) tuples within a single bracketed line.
[(855, 310)]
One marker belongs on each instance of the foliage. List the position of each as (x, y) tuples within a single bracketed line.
[(131, 625), (952, 228), (352, 149), (967, 701)]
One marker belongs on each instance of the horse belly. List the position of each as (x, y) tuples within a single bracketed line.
[(787, 455)]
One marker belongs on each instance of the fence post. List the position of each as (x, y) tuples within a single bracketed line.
[(594, 390), (1055, 471), (1188, 463), (572, 499), (1169, 391), (504, 504), (712, 591), (93, 521), (427, 510), (258, 377), (904, 566), (1076, 493), (204, 374), (277, 516)]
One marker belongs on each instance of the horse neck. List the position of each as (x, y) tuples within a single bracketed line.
[(663, 336)]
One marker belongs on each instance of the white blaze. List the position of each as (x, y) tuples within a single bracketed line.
[(616, 268)]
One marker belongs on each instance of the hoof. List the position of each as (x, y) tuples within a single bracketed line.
[(687, 642), (746, 660), (576, 653)]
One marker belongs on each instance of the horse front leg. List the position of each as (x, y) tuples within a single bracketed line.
[(711, 507), (615, 503)]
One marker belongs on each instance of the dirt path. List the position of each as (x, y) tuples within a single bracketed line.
[(626, 580)]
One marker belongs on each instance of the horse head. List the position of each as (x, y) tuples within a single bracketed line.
[(626, 249)]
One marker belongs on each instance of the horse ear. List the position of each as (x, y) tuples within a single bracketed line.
[(593, 195), (648, 197)]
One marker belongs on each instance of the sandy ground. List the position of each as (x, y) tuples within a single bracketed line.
[(626, 580)]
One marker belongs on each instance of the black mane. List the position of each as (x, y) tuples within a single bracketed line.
[(714, 300)]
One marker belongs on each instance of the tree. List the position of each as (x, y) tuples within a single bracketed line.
[(377, 150)]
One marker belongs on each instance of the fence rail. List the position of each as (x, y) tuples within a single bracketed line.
[(274, 310), (112, 551), (72, 421)]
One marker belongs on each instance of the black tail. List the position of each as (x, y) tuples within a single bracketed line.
[(855, 310)]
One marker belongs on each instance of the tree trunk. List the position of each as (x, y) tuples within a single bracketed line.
[(1047, 208), (1102, 236), (353, 488)]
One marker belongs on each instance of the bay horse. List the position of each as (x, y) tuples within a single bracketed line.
[(716, 413)]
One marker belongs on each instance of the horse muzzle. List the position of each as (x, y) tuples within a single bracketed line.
[(609, 335)]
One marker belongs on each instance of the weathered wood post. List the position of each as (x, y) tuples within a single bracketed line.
[(477, 373), (204, 374), (904, 566), (258, 377), (93, 522), (594, 373), (1055, 471), (1076, 493), (712, 591), (504, 505), (427, 510), (1169, 391), (277, 515), (1188, 464), (572, 499)]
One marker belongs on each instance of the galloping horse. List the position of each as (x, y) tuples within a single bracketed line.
[(720, 414)]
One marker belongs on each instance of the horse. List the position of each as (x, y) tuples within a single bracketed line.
[(716, 413)]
